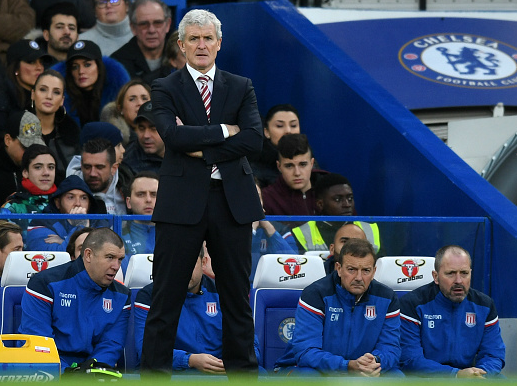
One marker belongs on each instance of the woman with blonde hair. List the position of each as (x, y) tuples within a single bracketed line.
[(122, 111)]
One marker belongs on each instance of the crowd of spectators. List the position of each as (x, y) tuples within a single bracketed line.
[(79, 137), (81, 81)]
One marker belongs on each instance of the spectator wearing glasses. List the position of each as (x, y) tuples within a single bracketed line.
[(143, 54), (112, 30)]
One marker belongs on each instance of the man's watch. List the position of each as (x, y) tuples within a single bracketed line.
[(377, 359)]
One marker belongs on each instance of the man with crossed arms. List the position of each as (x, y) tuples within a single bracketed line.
[(209, 122)]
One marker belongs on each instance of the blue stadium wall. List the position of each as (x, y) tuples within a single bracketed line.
[(396, 165)]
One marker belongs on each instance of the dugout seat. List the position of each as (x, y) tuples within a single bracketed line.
[(273, 314), (139, 273), (18, 269), (279, 281), (404, 273), (323, 254), (288, 271)]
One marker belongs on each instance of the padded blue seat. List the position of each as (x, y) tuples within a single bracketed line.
[(18, 269), (273, 314)]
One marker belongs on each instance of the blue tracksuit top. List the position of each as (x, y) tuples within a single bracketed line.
[(440, 337), (331, 328), (138, 238), (39, 230), (262, 244), (85, 320), (200, 328)]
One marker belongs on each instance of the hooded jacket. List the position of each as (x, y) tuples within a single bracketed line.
[(113, 200), (40, 229)]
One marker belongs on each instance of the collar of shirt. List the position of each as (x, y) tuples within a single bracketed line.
[(196, 74)]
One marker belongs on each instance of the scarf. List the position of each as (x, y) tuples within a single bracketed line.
[(34, 190)]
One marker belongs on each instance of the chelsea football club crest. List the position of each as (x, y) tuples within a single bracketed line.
[(211, 309), (461, 60), (286, 329)]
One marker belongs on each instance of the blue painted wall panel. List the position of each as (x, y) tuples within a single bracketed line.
[(376, 45)]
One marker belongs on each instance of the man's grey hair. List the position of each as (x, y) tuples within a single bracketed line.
[(137, 3), (455, 249), (201, 18)]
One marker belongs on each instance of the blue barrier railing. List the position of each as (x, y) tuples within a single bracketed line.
[(400, 236)]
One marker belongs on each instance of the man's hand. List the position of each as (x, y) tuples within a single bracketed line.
[(82, 222), (196, 154), (267, 226), (206, 363), (365, 366), (232, 129), (471, 372), (178, 122), (54, 239)]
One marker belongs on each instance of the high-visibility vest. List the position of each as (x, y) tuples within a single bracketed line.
[(309, 236), (372, 233)]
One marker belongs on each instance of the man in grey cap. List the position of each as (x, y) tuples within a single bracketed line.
[(22, 130), (147, 153)]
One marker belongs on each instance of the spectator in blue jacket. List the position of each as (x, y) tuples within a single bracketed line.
[(199, 337), (266, 239), (138, 235), (80, 305), (449, 329), (73, 196), (346, 322)]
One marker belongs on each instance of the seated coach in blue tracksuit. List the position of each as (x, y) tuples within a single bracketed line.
[(449, 329), (200, 330), (346, 322), (79, 303)]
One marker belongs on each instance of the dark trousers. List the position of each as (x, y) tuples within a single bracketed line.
[(175, 254)]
